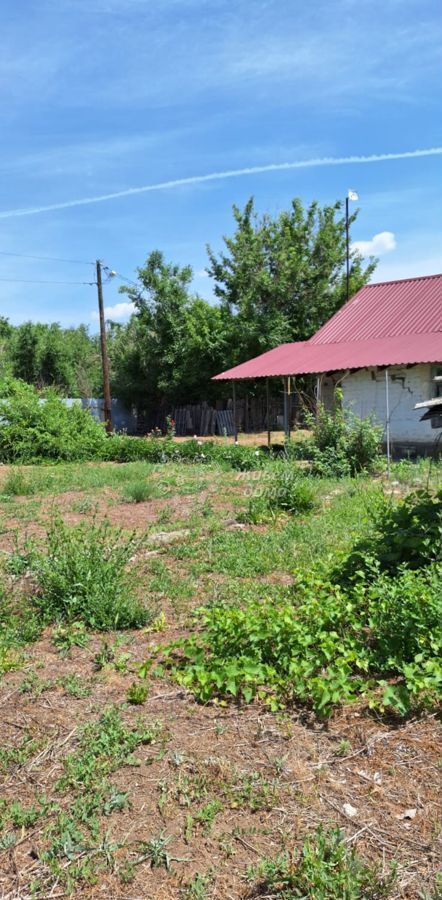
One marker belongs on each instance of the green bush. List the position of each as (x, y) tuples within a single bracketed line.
[(325, 869), (343, 444), (84, 577), (34, 429), (408, 533), (323, 646)]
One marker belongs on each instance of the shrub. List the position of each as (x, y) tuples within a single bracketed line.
[(33, 429), (325, 868), (84, 577), (408, 533), (343, 444)]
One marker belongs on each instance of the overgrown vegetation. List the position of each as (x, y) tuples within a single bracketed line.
[(341, 443), (34, 429), (84, 576), (378, 637)]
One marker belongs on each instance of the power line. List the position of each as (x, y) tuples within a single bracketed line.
[(82, 262), (125, 278)]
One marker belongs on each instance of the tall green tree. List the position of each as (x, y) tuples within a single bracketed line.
[(173, 343), (282, 277), (50, 356)]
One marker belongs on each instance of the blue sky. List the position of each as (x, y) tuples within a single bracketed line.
[(99, 96)]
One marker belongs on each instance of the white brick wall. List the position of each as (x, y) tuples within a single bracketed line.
[(364, 393)]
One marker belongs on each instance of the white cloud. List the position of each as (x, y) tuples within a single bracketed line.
[(201, 273), (117, 313), (380, 243)]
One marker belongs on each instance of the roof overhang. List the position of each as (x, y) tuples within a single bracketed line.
[(308, 358)]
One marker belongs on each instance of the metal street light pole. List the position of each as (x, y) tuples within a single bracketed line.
[(351, 195), (104, 356)]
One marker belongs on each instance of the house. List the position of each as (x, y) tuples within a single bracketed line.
[(383, 349)]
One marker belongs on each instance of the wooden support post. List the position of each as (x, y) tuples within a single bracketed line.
[(235, 430), (289, 404), (387, 416), (286, 409), (269, 430)]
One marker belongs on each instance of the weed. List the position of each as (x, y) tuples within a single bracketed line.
[(155, 850), (67, 636), (12, 757), (343, 748), (34, 685), (325, 868), (75, 686), (85, 577), (104, 746), (18, 484), (116, 800), (204, 818), (137, 693), (314, 647), (140, 491), (285, 490), (408, 533), (197, 888), (104, 656)]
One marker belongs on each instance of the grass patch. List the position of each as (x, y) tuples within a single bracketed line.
[(140, 491), (18, 484), (284, 490)]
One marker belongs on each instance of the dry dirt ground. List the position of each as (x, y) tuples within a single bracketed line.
[(225, 786)]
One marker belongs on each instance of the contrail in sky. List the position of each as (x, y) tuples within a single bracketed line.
[(220, 176)]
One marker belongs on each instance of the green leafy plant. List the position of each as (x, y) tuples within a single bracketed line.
[(137, 693), (325, 869), (408, 533), (323, 646), (75, 686), (84, 577), (34, 428), (342, 443), (18, 484), (64, 637)]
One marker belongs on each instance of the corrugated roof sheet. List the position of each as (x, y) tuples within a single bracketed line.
[(391, 323), (305, 357), (387, 309)]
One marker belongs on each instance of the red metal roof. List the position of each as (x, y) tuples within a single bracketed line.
[(305, 357), (387, 309), (391, 323)]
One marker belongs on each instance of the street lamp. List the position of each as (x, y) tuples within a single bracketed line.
[(351, 195), (104, 357)]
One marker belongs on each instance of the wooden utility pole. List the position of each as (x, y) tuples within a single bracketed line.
[(104, 357)]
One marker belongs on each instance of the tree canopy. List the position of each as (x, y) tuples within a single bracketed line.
[(280, 278), (277, 278)]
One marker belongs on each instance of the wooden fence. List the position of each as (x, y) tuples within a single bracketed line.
[(203, 419)]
